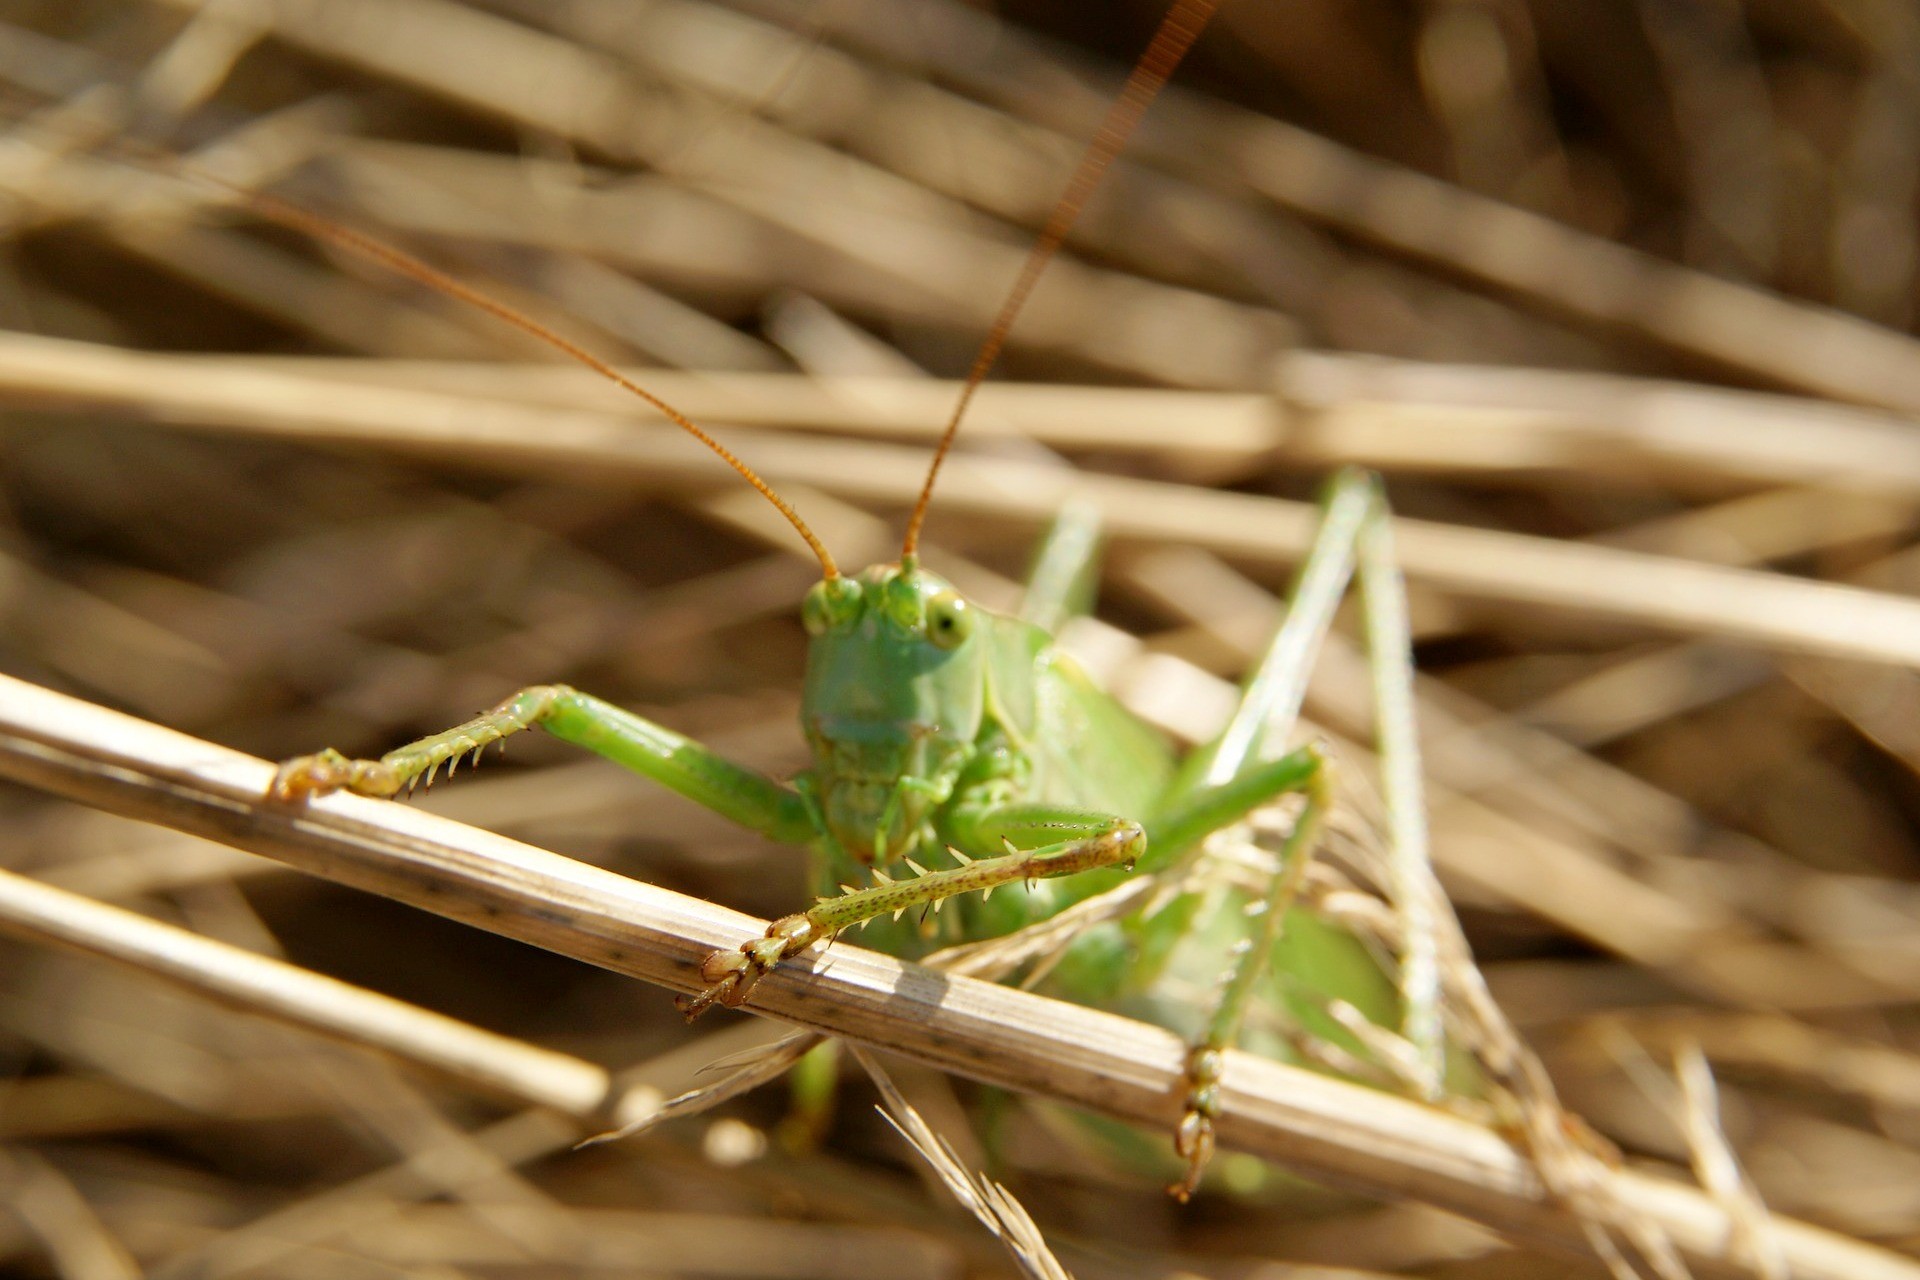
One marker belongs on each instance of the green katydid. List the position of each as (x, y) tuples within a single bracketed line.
[(957, 751)]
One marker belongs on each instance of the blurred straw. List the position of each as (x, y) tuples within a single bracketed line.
[(1771, 609), (1763, 335), (1510, 425)]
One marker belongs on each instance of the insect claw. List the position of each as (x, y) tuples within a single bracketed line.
[(1193, 1141), (691, 1007)]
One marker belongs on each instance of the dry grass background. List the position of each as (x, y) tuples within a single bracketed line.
[(1618, 295)]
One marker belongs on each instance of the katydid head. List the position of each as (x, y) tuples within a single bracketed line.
[(894, 698)]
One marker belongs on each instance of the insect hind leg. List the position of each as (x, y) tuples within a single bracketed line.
[(1060, 584), (1411, 887), (1355, 539)]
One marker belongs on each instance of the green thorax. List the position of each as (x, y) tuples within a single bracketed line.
[(914, 696)]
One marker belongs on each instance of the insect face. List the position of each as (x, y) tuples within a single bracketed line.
[(895, 693)]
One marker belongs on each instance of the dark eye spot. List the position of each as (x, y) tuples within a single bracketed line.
[(948, 620)]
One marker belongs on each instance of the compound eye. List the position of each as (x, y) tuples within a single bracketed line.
[(832, 603), (949, 620)]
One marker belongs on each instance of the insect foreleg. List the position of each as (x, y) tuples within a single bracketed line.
[(1193, 1140), (747, 797), (1094, 840)]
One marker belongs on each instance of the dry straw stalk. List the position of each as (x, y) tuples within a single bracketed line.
[(1323, 1127), (1771, 609)]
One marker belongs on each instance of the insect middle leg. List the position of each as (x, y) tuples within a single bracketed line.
[(1193, 1140)]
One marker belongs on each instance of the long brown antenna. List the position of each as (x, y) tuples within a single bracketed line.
[(292, 215), (1178, 30)]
